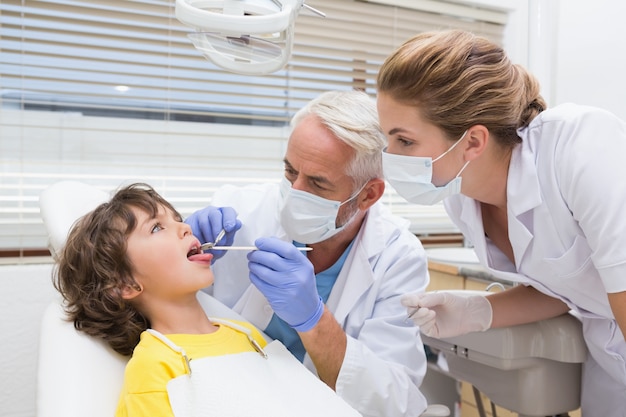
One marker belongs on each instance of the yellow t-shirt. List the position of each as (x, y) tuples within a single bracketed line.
[(154, 364)]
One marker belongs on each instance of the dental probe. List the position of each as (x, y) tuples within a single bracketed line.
[(208, 246), (411, 314)]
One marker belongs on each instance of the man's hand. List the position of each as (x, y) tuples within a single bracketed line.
[(208, 222), (285, 276)]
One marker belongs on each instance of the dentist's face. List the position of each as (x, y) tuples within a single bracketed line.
[(316, 162)]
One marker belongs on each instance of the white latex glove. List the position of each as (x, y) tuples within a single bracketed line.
[(444, 314)]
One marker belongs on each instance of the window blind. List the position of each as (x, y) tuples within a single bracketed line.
[(133, 58), (107, 90)]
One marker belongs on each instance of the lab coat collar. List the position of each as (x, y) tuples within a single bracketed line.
[(523, 191), (523, 195), (369, 242)]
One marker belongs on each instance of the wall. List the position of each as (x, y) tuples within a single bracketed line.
[(575, 48), (590, 62), (25, 291)]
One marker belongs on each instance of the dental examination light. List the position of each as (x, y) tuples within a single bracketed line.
[(252, 37)]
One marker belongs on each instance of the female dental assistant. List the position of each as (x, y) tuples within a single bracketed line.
[(538, 192)]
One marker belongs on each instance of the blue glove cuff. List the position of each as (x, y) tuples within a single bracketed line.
[(315, 318)]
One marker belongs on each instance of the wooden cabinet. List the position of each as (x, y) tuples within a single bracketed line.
[(444, 281), (447, 277)]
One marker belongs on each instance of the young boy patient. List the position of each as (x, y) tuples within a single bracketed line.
[(132, 265)]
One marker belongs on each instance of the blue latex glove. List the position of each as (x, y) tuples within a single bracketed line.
[(208, 222), (285, 276)]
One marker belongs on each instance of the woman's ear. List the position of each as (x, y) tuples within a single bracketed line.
[(131, 291), (477, 140), (371, 193)]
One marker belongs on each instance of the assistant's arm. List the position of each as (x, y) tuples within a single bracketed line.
[(447, 314), (522, 304), (587, 179)]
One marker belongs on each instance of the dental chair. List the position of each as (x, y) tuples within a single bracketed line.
[(78, 375)]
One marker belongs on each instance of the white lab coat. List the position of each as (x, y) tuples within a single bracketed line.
[(566, 200), (385, 361)]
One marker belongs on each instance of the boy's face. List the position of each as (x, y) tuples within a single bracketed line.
[(158, 249)]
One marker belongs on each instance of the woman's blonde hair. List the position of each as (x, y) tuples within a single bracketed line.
[(458, 80)]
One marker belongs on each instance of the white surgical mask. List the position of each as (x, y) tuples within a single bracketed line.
[(411, 177), (308, 218)]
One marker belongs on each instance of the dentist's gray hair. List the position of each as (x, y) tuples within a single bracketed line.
[(352, 118)]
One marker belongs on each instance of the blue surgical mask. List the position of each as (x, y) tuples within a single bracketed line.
[(308, 218), (411, 177)]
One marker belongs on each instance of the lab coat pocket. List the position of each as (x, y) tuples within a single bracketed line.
[(574, 278), (572, 261), (606, 344)]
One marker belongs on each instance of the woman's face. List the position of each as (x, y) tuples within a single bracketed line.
[(410, 135), (407, 132)]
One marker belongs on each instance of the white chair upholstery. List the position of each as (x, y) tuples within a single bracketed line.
[(78, 375), (62, 204)]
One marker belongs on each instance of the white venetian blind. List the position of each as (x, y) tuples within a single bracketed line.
[(72, 55), (64, 54), (348, 46), (107, 91)]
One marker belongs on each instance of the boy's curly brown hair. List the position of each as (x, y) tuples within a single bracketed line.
[(94, 268)]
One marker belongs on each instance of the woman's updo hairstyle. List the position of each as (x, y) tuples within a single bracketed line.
[(458, 80)]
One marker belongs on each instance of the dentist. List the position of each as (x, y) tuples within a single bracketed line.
[(537, 191), (338, 311)]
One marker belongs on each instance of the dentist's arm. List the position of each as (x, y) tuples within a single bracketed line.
[(326, 345), (285, 276)]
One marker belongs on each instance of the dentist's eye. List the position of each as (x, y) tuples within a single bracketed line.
[(157, 227), (319, 186), (291, 174)]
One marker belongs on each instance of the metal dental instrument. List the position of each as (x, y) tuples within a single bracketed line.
[(414, 310), (246, 247), (211, 245), (410, 315)]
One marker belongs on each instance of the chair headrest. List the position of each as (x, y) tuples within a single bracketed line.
[(62, 204)]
